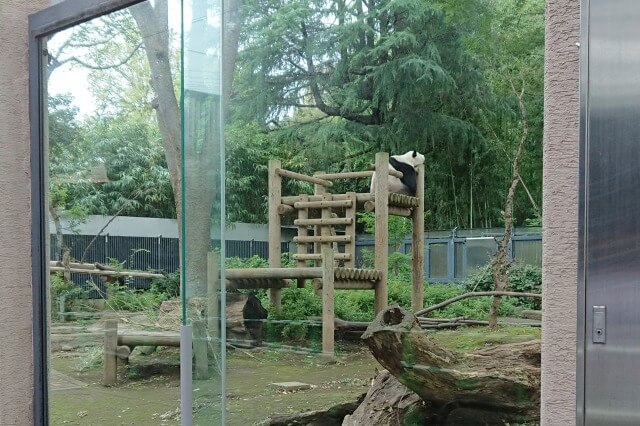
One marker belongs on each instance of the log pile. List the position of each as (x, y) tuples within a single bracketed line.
[(487, 386)]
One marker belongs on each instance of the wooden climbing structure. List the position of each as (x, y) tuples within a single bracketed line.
[(326, 240)]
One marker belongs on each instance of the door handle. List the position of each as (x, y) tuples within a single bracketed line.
[(599, 324)]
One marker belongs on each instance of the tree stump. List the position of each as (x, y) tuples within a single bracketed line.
[(497, 384)]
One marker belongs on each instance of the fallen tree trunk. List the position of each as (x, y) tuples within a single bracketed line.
[(502, 381), (388, 402)]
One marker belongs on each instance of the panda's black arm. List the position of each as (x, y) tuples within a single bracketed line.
[(408, 174)]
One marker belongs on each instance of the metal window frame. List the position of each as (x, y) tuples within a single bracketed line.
[(41, 24)]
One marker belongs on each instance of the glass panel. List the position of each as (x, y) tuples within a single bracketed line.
[(438, 260), (479, 252), (528, 252), (202, 221), (322, 86), (459, 260), (112, 138)]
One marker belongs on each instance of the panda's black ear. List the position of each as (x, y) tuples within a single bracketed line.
[(415, 154)]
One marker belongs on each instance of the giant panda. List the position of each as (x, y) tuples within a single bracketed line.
[(405, 163)]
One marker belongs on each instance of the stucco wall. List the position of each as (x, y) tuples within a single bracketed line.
[(16, 372), (560, 213)]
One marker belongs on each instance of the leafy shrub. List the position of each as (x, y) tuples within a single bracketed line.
[(65, 290), (169, 285), (121, 298), (292, 323), (522, 278), (473, 307), (254, 261)]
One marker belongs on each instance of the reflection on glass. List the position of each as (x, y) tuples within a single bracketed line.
[(113, 172), (438, 260), (479, 252), (322, 86), (202, 221), (528, 252)]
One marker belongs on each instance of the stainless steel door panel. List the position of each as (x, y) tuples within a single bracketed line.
[(612, 255)]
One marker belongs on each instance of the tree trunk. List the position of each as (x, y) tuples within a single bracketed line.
[(500, 262), (388, 402), (502, 381)]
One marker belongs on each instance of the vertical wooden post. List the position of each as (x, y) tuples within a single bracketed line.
[(275, 198), (325, 230), (200, 349), (382, 229), (328, 316), (110, 373), (350, 230), (213, 299), (317, 230), (301, 248), (417, 244)]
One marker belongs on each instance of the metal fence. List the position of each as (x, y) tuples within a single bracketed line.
[(448, 258), (460, 254)]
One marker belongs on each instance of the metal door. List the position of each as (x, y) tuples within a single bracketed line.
[(609, 312)]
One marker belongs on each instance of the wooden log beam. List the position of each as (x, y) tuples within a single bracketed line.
[(347, 285), (360, 196), (256, 283), (502, 380), (305, 178), (322, 239), (322, 204), (318, 256), (370, 206), (345, 175), (148, 339), (285, 209), (290, 273), (123, 273), (323, 221)]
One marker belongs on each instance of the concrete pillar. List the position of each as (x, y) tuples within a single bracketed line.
[(560, 213), (16, 360)]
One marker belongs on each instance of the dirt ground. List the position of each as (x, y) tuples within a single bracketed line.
[(148, 390)]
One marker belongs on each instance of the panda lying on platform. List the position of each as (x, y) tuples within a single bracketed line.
[(405, 163)]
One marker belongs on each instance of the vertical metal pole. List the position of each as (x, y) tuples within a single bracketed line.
[(186, 383)]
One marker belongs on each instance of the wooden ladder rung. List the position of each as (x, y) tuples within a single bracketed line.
[(322, 204), (323, 239), (326, 222), (318, 256), (347, 285)]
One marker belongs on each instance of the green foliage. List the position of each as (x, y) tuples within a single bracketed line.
[(253, 262), (167, 286), (60, 289), (298, 304), (358, 305), (522, 278), (398, 227), (122, 298)]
